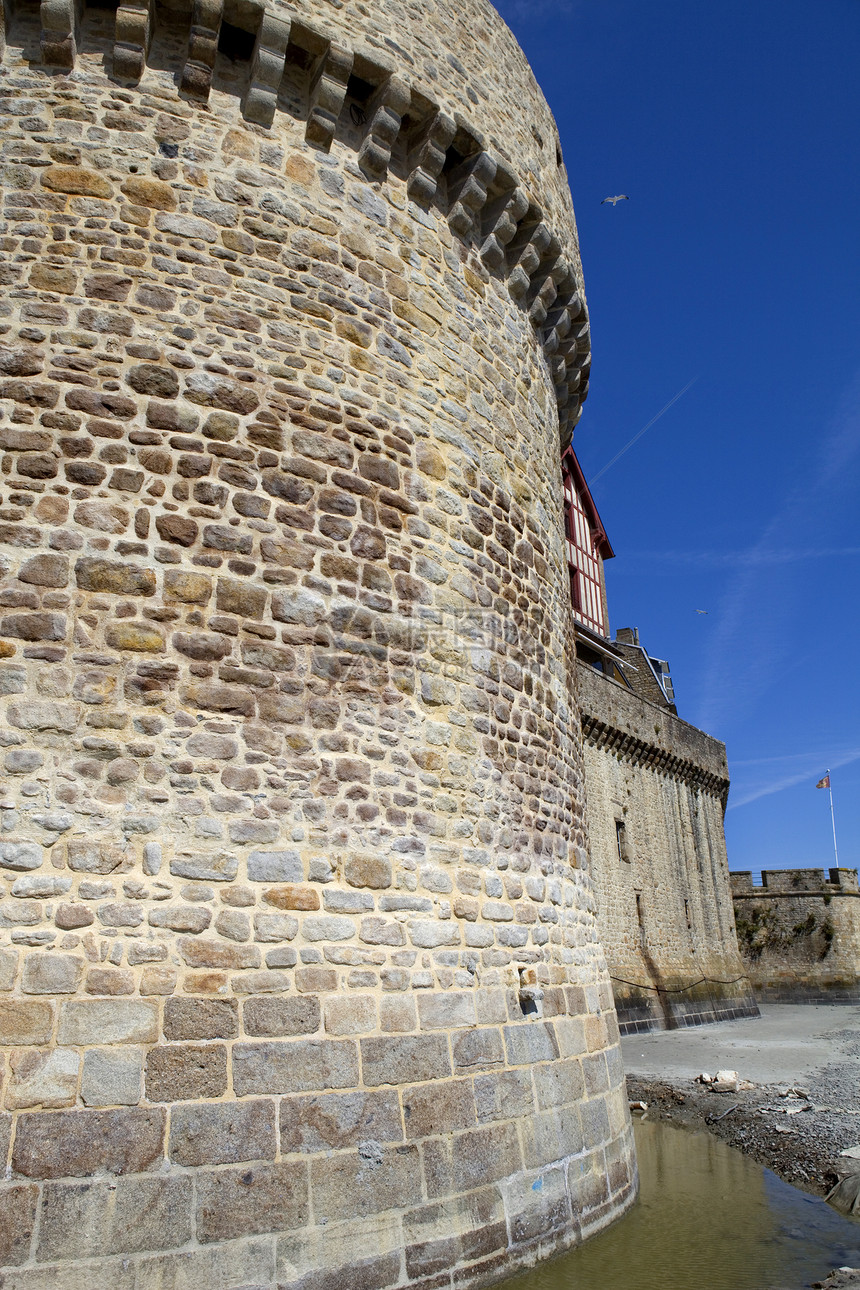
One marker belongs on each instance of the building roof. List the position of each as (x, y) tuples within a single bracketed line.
[(570, 462)]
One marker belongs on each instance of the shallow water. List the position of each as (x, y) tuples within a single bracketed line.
[(707, 1218)]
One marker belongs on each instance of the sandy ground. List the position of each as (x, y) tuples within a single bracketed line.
[(804, 1061)]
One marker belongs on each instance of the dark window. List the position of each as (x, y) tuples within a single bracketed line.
[(575, 589)]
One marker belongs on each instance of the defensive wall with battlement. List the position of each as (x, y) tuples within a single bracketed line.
[(799, 933), (300, 979)]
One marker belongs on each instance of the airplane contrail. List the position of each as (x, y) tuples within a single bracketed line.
[(640, 433)]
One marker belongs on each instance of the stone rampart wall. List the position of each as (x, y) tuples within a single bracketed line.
[(300, 975), (656, 788), (799, 934)]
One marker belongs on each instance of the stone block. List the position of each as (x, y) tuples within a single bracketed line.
[(201, 1019), (51, 973), (404, 1059), (446, 1011), (187, 588), (364, 1182), (127, 1216), (110, 981), (29, 715), (551, 1135), (328, 927), (559, 1083), (503, 1095), (538, 1211), (336, 1121), (476, 1050), (18, 1203), (60, 1144), (277, 1016), (232, 1203), (157, 980), (315, 980), (350, 1014), (429, 934), (437, 1109), (108, 1021), (21, 855), (223, 1133), (214, 954), (112, 1077), (181, 1072), (25, 1021), (397, 1013), (382, 931), (275, 866), (86, 855), (220, 866), (373, 1273), (117, 578), (40, 886), (596, 1074), (42, 1078), (8, 972), (181, 918), (471, 1159), (83, 1274), (292, 897), (372, 871), (296, 1066), (234, 924), (570, 1032), (532, 1041), (45, 570), (274, 927), (241, 1263), (595, 1122)]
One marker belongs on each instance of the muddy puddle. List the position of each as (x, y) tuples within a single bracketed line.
[(707, 1218)]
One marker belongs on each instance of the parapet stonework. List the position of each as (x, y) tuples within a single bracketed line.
[(300, 979), (656, 789)]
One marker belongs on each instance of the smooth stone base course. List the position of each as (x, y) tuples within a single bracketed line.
[(446, 1159), (474, 1239)]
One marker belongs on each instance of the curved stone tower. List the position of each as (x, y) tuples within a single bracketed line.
[(300, 980)]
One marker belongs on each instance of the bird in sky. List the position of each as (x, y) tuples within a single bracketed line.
[(701, 611), (622, 197)]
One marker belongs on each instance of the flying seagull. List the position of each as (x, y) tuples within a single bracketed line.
[(622, 197), (701, 611)]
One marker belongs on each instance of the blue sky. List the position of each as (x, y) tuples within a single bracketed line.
[(734, 129)]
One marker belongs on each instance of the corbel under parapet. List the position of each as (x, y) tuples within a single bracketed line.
[(385, 114), (467, 191), (196, 79), (135, 22), (267, 69), (61, 24), (426, 157), (501, 216), (327, 92), (525, 253)]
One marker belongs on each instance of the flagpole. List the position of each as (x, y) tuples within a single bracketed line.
[(832, 819)]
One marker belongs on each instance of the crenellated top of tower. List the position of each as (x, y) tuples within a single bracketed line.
[(438, 95)]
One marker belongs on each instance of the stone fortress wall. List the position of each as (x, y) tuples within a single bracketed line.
[(656, 789), (300, 977), (799, 934)]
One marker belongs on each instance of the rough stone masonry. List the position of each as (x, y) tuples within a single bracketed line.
[(300, 979)]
